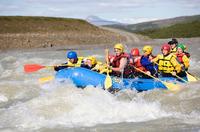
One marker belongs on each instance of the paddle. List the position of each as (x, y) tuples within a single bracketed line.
[(50, 78), (32, 67), (45, 79), (170, 86), (175, 75), (28, 68), (108, 80), (191, 78), (180, 78)]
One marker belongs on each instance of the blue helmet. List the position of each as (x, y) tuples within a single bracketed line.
[(72, 55)]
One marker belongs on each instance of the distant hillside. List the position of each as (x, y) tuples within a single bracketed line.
[(99, 21), (153, 25), (35, 32), (183, 30), (20, 24)]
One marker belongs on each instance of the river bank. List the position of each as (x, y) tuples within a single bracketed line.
[(17, 32)]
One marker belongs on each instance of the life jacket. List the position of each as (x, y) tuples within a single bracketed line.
[(187, 54), (110, 58), (69, 64), (116, 60), (180, 57), (77, 64), (137, 63), (173, 50), (116, 63), (164, 64)]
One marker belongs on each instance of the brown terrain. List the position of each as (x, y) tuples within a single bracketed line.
[(46, 32), (42, 32)]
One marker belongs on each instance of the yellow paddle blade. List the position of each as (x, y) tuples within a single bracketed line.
[(172, 86), (45, 79), (108, 82), (191, 78)]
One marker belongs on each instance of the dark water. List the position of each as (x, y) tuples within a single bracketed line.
[(27, 105)]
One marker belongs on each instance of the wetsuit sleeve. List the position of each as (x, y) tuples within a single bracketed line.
[(57, 68), (145, 61), (86, 66)]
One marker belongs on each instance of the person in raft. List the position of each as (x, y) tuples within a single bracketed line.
[(151, 68), (72, 61), (173, 43), (182, 59), (119, 66), (134, 62), (168, 66), (91, 63)]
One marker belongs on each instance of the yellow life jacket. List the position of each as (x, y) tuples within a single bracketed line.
[(164, 63), (78, 64), (96, 65), (174, 50)]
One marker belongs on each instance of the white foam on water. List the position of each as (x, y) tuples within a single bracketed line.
[(194, 64), (8, 58), (55, 105), (187, 118), (68, 106), (1, 68), (184, 105), (3, 98), (6, 73)]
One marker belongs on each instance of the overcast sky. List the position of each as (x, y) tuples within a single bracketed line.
[(126, 11)]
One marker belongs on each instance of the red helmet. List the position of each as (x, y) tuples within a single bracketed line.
[(135, 52), (166, 47)]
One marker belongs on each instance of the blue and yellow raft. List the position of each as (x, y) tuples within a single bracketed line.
[(83, 77)]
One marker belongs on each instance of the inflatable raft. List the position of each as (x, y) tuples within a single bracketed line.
[(83, 77)]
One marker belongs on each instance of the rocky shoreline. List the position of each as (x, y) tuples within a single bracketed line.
[(70, 40), (44, 40)]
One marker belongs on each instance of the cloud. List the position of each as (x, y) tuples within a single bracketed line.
[(134, 20), (92, 3), (119, 5), (9, 9), (140, 10), (194, 4)]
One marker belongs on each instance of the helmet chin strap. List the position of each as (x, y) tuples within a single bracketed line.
[(75, 60)]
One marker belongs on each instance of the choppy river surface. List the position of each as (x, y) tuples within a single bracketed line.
[(27, 105)]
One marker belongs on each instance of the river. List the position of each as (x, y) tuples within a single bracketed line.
[(27, 105)]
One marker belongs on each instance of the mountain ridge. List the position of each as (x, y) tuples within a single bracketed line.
[(154, 29), (156, 23), (99, 21)]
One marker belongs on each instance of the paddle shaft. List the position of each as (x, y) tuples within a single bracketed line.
[(108, 80), (191, 78), (148, 74), (28, 68), (170, 86), (45, 79), (175, 75), (107, 53), (180, 78)]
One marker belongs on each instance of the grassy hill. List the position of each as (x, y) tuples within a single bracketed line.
[(180, 26), (36, 32), (20, 24), (184, 30)]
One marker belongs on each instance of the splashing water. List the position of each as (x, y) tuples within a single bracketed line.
[(25, 104)]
